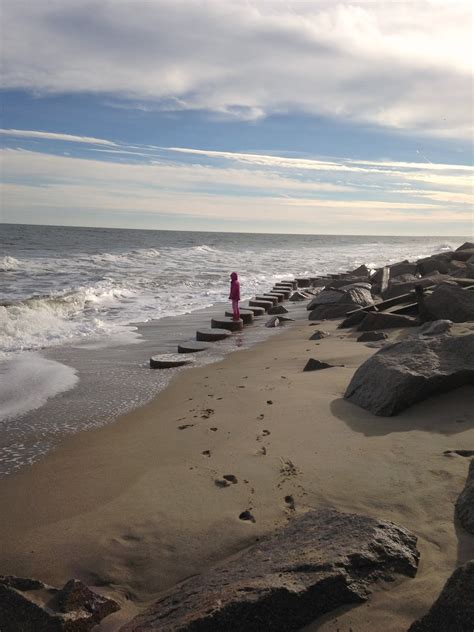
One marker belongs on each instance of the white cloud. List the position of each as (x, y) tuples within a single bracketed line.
[(43, 183), (405, 65), (27, 133)]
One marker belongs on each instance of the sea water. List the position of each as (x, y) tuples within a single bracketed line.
[(75, 304)]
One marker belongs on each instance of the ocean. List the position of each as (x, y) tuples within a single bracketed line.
[(82, 309)]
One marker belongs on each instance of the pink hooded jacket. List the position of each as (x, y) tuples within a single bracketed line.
[(234, 287)]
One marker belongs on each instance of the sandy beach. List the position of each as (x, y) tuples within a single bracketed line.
[(133, 508)]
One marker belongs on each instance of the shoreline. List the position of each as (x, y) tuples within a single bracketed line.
[(132, 508)]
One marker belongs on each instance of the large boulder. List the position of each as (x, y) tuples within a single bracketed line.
[(453, 611), (317, 562), (333, 303), (409, 371), (451, 302), (28, 605), (465, 502), (398, 287), (436, 263), (467, 245)]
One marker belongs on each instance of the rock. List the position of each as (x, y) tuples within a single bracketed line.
[(361, 271), (465, 502), (319, 334), (299, 296), (397, 288), (453, 611), (353, 319), (372, 336), (278, 309), (401, 268), (316, 563), (274, 321), (462, 255), (168, 361), (467, 245), (409, 371), (341, 283), (260, 303), (257, 311), (303, 282), (31, 606), (316, 365), (436, 327), (383, 320), (449, 301), (436, 263)]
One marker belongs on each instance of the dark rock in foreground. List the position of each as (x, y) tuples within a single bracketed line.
[(465, 502), (453, 611), (449, 301), (28, 605), (409, 371), (318, 562)]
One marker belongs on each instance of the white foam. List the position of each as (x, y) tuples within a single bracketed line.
[(8, 264), (29, 380)]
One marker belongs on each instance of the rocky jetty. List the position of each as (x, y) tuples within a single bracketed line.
[(453, 611), (318, 562), (28, 605), (409, 371)]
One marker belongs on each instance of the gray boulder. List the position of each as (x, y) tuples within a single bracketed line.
[(409, 371), (453, 611), (467, 245), (28, 605), (397, 288), (402, 268), (465, 502), (333, 303), (372, 336), (317, 562), (437, 263), (436, 327), (384, 320), (451, 302), (361, 271)]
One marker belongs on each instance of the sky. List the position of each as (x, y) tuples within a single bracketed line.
[(282, 116)]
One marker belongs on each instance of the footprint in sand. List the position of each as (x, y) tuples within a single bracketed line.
[(262, 451), (265, 433), (261, 416), (184, 426), (208, 412), (269, 401), (220, 482), (290, 502), (213, 429), (231, 478), (206, 453), (247, 516)]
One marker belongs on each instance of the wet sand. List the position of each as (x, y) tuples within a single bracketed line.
[(133, 507)]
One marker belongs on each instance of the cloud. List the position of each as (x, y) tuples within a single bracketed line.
[(76, 187), (403, 65), (26, 133)]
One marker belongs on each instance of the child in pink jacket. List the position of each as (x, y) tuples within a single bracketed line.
[(234, 295)]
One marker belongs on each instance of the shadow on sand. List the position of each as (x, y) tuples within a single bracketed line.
[(447, 413)]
